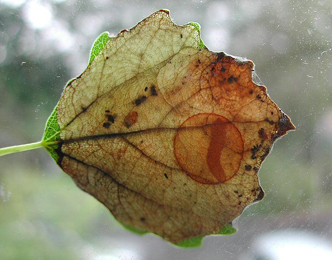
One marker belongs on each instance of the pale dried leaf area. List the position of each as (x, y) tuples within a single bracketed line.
[(169, 136)]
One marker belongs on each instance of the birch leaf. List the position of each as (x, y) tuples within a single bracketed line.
[(165, 133), (168, 135)]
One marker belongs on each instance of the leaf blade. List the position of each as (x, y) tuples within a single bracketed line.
[(148, 134)]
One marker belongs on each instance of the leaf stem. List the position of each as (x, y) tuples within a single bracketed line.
[(21, 148)]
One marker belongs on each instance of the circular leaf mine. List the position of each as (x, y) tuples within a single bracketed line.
[(209, 148)]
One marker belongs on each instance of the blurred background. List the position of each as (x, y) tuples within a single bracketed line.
[(43, 44)]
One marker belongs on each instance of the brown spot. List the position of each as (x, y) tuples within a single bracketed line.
[(251, 91), (140, 100), (254, 151), (260, 195), (153, 90), (142, 219), (164, 11), (106, 125), (131, 119), (248, 167), (262, 134), (269, 121), (232, 79), (284, 125), (220, 55), (110, 118), (267, 151)]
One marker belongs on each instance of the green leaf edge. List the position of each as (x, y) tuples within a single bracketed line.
[(52, 129), (98, 46), (227, 230), (190, 242), (52, 134), (198, 28), (197, 241), (134, 230)]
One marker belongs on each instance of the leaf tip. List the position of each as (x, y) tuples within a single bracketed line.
[(98, 45), (197, 26), (165, 11)]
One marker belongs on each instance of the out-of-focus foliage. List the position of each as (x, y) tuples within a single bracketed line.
[(290, 43), (39, 217)]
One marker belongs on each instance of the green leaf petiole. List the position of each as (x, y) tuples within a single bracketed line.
[(24, 147)]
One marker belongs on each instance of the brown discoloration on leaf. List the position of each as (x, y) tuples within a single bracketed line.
[(191, 131), (131, 119), (219, 141)]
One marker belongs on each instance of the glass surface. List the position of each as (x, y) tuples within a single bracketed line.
[(43, 44)]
